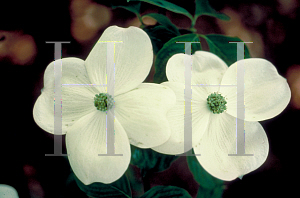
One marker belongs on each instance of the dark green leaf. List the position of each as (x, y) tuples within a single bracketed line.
[(203, 8), (165, 192), (159, 35), (168, 50), (219, 45), (135, 180), (72, 189), (119, 188), (165, 21), (203, 178), (150, 160), (169, 6)]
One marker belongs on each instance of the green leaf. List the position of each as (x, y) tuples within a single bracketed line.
[(119, 188), (203, 178), (150, 160), (134, 7), (168, 50), (135, 180), (169, 6), (72, 189), (165, 21), (219, 45), (159, 35), (166, 191), (203, 8)]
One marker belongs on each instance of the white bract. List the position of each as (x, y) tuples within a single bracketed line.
[(7, 191), (266, 94), (140, 108)]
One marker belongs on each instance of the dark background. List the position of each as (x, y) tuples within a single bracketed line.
[(23, 144)]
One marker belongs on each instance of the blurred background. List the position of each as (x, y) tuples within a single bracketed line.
[(25, 26)]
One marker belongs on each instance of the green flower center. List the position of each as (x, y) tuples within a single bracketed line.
[(216, 103), (103, 102)]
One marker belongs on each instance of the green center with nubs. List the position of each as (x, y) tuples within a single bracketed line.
[(216, 103), (103, 101)]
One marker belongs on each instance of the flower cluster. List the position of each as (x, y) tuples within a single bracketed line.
[(103, 102), (149, 115), (216, 103)]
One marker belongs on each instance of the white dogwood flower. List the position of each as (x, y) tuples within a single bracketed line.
[(214, 111), (140, 108)]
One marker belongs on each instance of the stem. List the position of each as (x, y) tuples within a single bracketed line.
[(193, 24), (140, 19)]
